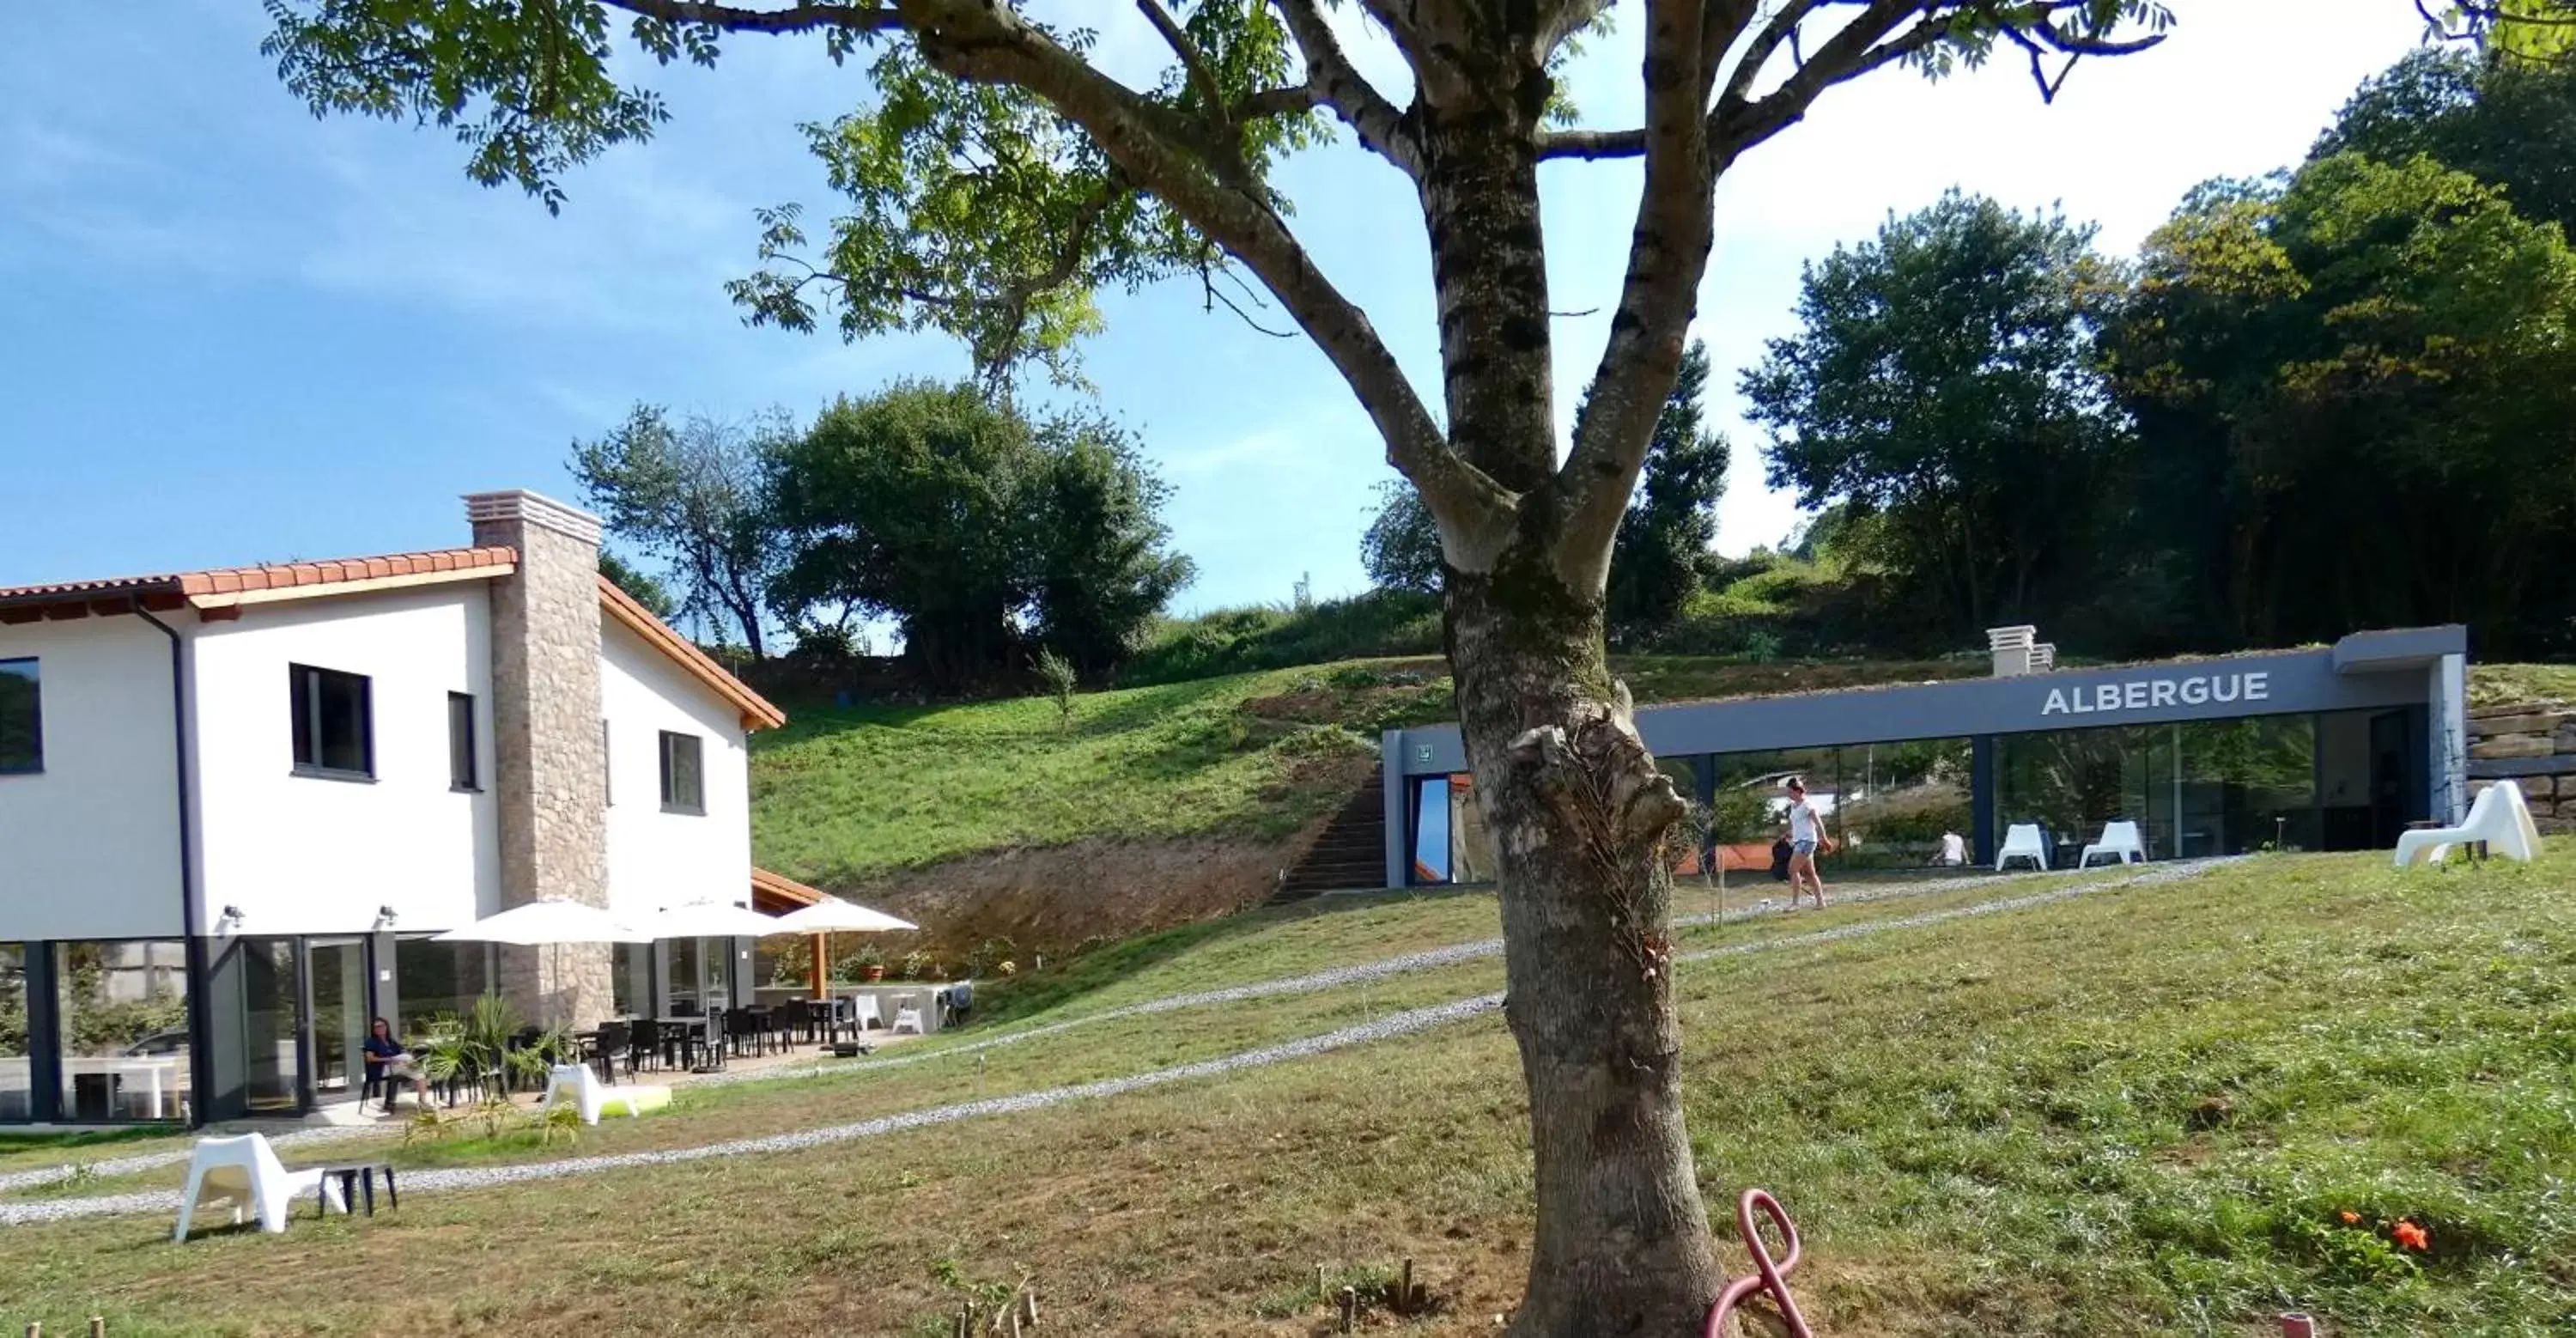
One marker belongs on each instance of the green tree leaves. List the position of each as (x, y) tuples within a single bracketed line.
[(1943, 380), (975, 529)]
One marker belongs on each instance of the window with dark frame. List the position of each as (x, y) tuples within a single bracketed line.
[(683, 780), (461, 772), (22, 719), (334, 723)]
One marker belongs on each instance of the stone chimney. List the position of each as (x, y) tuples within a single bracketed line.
[(548, 771), (2012, 647)]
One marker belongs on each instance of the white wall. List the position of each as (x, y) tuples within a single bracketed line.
[(655, 858), (89, 847), (307, 855)]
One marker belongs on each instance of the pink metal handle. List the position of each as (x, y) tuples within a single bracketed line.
[(1768, 1278)]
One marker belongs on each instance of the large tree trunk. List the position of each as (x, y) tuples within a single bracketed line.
[(1580, 818), (1578, 812)]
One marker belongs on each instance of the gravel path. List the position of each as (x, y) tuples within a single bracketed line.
[(1385, 1028)]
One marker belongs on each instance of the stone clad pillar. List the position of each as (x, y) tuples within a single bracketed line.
[(549, 776)]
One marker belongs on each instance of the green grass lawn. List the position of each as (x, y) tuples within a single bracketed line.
[(2144, 1110)]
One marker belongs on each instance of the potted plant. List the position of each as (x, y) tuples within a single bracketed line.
[(871, 963)]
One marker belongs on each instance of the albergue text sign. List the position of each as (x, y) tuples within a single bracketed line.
[(2151, 692)]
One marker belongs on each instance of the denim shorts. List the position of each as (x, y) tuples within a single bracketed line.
[(1802, 847)]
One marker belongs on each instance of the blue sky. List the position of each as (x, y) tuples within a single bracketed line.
[(234, 333)]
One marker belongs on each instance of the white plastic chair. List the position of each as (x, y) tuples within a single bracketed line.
[(863, 1012), (2119, 839), (593, 1098), (245, 1171), (2023, 841), (907, 1017), (2499, 816)]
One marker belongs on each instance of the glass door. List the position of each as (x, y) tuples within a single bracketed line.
[(271, 994), (682, 971), (339, 971)]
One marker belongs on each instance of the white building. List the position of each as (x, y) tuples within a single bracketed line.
[(236, 804)]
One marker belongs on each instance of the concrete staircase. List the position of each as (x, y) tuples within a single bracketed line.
[(1350, 853)]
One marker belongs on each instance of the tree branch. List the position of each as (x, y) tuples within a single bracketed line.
[(810, 16), (1855, 49), (1193, 61), (985, 43), (1591, 145), (1667, 254), (1332, 81)]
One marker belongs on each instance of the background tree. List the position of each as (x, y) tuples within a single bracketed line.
[(1000, 178), (1102, 572), (976, 530), (1665, 539), (1944, 380), (695, 494), (909, 504), (1401, 547), (2509, 123), (639, 585), (2364, 339)]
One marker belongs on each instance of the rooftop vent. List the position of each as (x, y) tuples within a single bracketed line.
[(2014, 648)]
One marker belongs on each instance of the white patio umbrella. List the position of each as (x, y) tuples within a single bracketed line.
[(548, 923), (709, 919), (541, 923), (832, 915)]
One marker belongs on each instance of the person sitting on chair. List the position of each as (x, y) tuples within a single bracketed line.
[(388, 1061)]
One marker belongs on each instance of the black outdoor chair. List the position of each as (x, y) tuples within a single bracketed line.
[(613, 1041), (644, 1045)]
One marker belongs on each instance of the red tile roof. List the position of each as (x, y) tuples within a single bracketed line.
[(213, 590), (274, 576)]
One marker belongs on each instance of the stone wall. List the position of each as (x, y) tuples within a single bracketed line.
[(2533, 744), (548, 772)]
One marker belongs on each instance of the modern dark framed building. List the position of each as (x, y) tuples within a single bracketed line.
[(2331, 748)]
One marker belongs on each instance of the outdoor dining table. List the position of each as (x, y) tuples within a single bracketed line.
[(701, 1037)]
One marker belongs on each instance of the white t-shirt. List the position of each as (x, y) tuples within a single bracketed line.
[(1802, 820)]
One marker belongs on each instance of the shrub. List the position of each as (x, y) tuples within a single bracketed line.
[(1377, 623)]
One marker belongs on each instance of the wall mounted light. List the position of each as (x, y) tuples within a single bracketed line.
[(230, 922), (384, 919)]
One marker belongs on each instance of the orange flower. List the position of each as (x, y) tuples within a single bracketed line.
[(2411, 1236), (2350, 1218)]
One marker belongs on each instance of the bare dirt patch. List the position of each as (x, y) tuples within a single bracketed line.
[(1053, 899)]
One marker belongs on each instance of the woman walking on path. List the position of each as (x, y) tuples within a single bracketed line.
[(1806, 837)]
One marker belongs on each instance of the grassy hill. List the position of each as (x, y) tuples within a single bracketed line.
[(2151, 1108), (844, 795)]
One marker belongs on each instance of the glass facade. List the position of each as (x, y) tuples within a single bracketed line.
[(2340, 780), (268, 1026), (1450, 843), (17, 1075), (2336, 781), (341, 1011), (435, 979), (121, 1009), (630, 973)]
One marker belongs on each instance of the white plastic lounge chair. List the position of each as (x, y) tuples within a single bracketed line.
[(2121, 841), (864, 1012), (907, 1018), (593, 1098), (2023, 841), (245, 1171), (2498, 816)]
